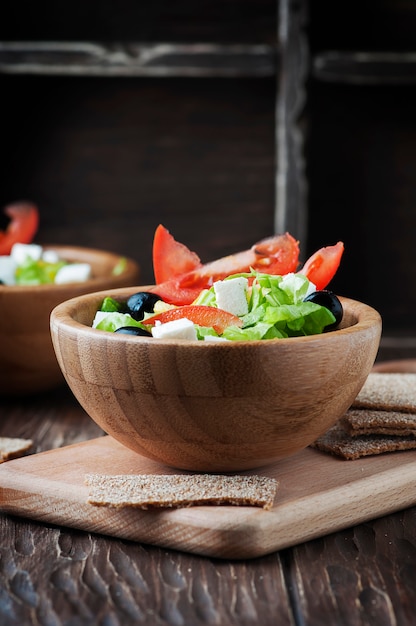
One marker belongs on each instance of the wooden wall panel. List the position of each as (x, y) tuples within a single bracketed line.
[(362, 25), (361, 161), (221, 21)]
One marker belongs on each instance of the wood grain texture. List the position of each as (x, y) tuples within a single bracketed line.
[(52, 575), (365, 575), (89, 578), (217, 406), (396, 365), (27, 359), (136, 59), (318, 494)]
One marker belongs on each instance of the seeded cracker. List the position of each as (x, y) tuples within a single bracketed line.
[(388, 391), (147, 491), (13, 447), (358, 422), (338, 442)]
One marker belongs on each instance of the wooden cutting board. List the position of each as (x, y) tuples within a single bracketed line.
[(317, 494)]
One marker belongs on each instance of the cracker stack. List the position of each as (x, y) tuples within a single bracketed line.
[(381, 419)]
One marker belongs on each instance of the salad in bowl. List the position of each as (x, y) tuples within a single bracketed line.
[(205, 302)]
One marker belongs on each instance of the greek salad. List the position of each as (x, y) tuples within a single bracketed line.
[(207, 303), (25, 263), (31, 264)]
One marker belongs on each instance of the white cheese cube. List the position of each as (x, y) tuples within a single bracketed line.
[(50, 256), (176, 329), (73, 273), (8, 268), (231, 295), (214, 338), (21, 251)]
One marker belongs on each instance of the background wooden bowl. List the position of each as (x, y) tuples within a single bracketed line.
[(213, 406), (27, 359)]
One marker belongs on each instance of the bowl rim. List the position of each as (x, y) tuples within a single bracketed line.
[(93, 284), (63, 315)]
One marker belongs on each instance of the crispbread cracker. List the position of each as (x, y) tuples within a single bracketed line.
[(338, 442), (358, 422), (389, 392), (180, 490), (13, 447)]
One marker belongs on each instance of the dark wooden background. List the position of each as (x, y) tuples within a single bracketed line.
[(108, 158), (361, 157)]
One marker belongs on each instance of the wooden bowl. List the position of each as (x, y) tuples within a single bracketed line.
[(213, 406), (27, 359)]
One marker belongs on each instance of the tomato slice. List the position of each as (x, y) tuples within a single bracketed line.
[(173, 292), (171, 258), (321, 267), (278, 255), (275, 255), (209, 316), (180, 276), (23, 225)]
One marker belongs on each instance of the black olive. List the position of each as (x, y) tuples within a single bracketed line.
[(133, 330), (140, 303), (330, 301)]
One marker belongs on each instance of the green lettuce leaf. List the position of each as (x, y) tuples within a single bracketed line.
[(39, 272), (115, 320), (276, 309), (111, 305)]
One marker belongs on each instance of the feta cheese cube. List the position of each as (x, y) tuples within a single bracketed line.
[(176, 329), (50, 256), (8, 268), (73, 273), (231, 295), (21, 251), (214, 338)]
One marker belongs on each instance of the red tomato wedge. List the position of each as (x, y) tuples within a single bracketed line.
[(209, 316), (173, 292), (275, 255), (23, 225), (321, 267), (171, 258)]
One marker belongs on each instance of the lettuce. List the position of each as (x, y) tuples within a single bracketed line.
[(110, 305), (37, 272), (276, 308), (115, 320)]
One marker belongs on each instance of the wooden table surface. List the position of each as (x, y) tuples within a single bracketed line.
[(53, 575)]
